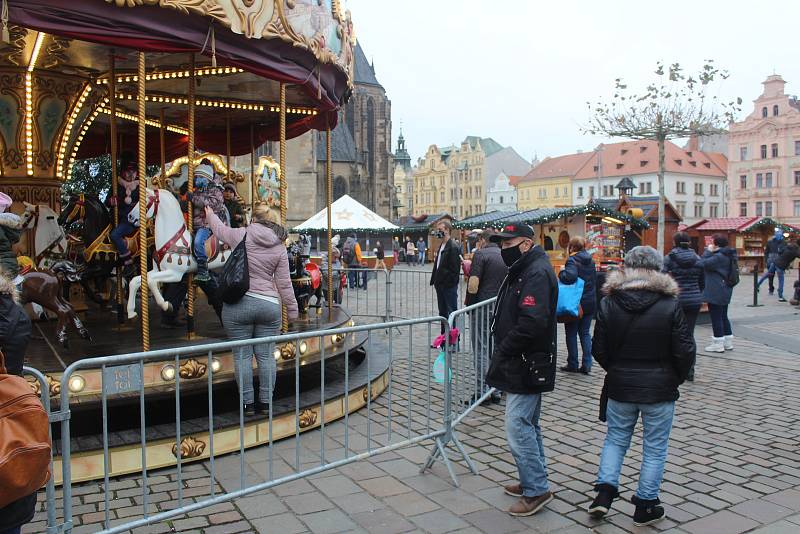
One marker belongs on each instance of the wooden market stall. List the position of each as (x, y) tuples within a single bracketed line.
[(645, 208)]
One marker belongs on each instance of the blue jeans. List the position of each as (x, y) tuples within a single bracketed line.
[(118, 235), (201, 235), (15, 530), (719, 320), (657, 422), (251, 318), (353, 276), (422, 257), (580, 328), (772, 269), (525, 441)]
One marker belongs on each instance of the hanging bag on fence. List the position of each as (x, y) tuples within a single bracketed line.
[(235, 279), (569, 301), (24, 439), (440, 363)]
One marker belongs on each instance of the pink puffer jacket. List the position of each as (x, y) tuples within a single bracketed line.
[(266, 260)]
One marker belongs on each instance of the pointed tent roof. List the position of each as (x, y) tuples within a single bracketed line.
[(346, 214)]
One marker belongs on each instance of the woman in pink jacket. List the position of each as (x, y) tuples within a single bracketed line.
[(258, 313)]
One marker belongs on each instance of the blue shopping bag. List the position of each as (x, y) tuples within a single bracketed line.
[(438, 368), (569, 299)]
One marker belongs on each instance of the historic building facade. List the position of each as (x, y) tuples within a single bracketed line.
[(502, 195), (549, 184), (403, 178), (764, 157)]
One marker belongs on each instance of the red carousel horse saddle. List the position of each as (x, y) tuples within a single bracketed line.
[(315, 274)]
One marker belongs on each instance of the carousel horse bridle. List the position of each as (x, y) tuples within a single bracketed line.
[(154, 202), (32, 222)]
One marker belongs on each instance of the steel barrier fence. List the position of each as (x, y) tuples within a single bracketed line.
[(412, 409)]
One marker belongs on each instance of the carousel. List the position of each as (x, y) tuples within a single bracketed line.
[(165, 89)]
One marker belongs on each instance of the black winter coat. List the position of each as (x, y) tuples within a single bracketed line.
[(717, 267), (774, 249), (524, 327), (580, 265), (641, 338), (788, 255), (448, 271), (15, 331), (684, 267)]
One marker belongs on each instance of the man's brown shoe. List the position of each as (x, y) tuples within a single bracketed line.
[(515, 490), (530, 505)]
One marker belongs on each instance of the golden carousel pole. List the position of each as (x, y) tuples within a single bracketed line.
[(143, 205), (328, 202), (190, 177), (112, 90), (228, 148), (253, 183), (163, 142), (282, 157)]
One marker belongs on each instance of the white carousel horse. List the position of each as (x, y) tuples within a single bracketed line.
[(50, 240), (173, 248)]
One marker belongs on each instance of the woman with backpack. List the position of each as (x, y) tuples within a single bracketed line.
[(721, 268)]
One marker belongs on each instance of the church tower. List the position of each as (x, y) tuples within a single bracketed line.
[(401, 156)]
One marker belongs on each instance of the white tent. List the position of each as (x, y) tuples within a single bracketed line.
[(346, 214)]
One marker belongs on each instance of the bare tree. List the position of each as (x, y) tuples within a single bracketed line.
[(676, 106)]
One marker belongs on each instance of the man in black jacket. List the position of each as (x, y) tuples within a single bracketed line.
[(446, 271), (783, 262), (643, 342), (524, 360)]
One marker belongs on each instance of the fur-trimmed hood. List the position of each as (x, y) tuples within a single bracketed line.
[(7, 288), (638, 289), (11, 220)]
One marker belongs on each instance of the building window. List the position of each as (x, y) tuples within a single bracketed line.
[(501, 199), (591, 191), (713, 211), (698, 210), (743, 181), (763, 151), (743, 153), (646, 188), (441, 196), (580, 189), (796, 177), (797, 208), (565, 190), (759, 209), (768, 180), (681, 208), (764, 112), (713, 190), (774, 150), (742, 209), (698, 189), (759, 180), (797, 148), (775, 110), (680, 188), (768, 209)]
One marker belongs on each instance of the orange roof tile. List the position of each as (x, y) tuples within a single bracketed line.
[(514, 180), (558, 167)]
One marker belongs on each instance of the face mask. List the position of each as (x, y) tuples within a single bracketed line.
[(511, 255), (439, 234)]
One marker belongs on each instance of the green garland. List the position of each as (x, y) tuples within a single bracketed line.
[(376, 231), (551, 215), (767, 221)]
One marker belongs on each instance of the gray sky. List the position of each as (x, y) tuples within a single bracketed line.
[(521, 71)]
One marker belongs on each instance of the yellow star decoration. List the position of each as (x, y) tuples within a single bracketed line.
[(346, 215)]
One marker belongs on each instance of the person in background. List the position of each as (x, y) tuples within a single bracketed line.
[(351, 257), (642, 341), (524, 330), (207, 193), (15, 333), (10, 232), (485, 278), (772, 251), (126, 199), (446, 271), (234, 207), (784, 262), (685, 268), (580, 265), (422, 248), (717, 263), (396, 250), (337, 275), (258, 313), (380, 254), (411, 253)]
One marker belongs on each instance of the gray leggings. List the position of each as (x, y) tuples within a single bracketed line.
[(251, 318)]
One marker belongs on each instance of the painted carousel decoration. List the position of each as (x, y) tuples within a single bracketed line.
[(179, 81)]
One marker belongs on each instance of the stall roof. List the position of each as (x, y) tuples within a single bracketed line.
[(347, 214), (484, 219), (740, 224), (423, 223), (545, 215)]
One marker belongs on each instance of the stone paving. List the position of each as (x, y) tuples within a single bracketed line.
[(733, 465)]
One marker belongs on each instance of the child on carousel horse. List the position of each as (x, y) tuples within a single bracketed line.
[(207, 192), (126, 199), (10, 231)]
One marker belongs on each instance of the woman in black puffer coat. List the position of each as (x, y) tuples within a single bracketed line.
[(685, 268)]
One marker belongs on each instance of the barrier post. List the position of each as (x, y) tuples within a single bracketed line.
[(755, 303)]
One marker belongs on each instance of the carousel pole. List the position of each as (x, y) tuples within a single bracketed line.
[(253, 183), (228, 148), (328, 202), (112, 89), (143, 205), (163, 143), (190, 178), (282, 157)]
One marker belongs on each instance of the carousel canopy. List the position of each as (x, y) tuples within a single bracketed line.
[(346, 214)]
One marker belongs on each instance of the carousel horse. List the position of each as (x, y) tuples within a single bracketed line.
[(99, 254), (45, 288), (173, 248), (50, 240)]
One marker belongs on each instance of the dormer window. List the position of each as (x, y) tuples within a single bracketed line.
[(624, 151), (643, 163), (596, 168), (775, 110), (620, 165), (679, 161), (707, 165), (689, 153), (693, 163), (642, 149), (764, 112)]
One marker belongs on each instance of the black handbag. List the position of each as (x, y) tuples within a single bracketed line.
[(235, 279)]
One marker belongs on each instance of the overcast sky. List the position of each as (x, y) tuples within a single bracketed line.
[(521, 71)]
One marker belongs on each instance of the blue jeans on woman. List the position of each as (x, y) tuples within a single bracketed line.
[(657, 422), (525, 441), (719, 320), (250, 318), (573, 330)]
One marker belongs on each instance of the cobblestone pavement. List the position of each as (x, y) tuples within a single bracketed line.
[(733, 465)]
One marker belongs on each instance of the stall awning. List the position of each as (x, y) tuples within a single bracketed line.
[(347, 214), (545, 215)]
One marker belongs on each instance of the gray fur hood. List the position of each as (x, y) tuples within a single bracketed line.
[(7, 287), (638, 289)]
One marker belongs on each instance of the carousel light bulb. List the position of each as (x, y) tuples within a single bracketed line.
[(216, 365), (168, 373), (303, 347), (77, 383)]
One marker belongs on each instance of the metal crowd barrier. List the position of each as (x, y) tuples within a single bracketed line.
[(412, 409)]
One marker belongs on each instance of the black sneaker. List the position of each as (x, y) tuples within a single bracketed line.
[(584, 370), (262, 408), (249, 409), (647, 512), (568, 369), (606, 493), (781, 299)]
